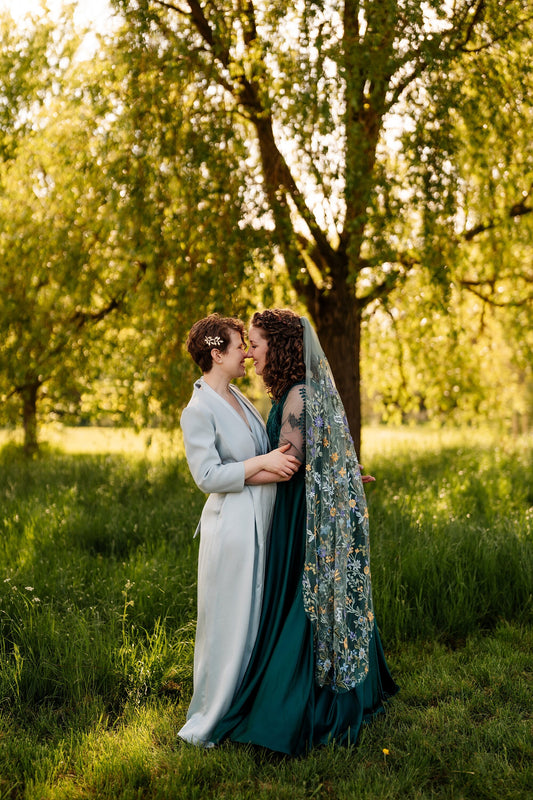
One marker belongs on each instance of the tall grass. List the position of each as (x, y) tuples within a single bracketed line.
[(98, 566), (97, 610), (452, 540)]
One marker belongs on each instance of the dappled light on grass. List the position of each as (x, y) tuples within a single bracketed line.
[(148, 443), (97, 620)]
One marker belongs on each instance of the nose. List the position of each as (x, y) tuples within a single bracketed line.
[(248, 353)]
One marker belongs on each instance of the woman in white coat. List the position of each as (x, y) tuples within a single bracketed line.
[(228, 454)]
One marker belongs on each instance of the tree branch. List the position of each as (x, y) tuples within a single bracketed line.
[(475, 287), (478, 13), (171, 6), (446, 46), (381, 289), (497, 39), (519, 209)]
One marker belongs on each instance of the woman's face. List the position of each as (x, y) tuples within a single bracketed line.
[(258, 348), (232, 359)]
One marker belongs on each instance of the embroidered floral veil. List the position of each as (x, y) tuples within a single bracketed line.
[(336, 583)]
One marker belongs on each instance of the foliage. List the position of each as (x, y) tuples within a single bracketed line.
[(456, 361), (312, 93), (340, 158), (63, 241), (181, 171), (111, 255)]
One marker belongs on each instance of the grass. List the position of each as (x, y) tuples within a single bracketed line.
[(97, 608)]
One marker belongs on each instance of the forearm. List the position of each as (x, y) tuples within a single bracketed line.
[(262, 477), (279, 464), (254, 467)]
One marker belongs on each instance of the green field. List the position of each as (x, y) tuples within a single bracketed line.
[(97, 609)]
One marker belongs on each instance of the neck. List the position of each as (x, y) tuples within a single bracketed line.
[(219, 383)]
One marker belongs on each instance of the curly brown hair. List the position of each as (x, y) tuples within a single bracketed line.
[(211, 332), (285, 363)]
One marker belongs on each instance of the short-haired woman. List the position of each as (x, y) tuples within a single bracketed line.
[(228, 454)]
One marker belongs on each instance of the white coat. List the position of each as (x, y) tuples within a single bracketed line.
[(234, 529)]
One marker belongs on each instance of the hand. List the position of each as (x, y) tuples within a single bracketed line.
[(281, 463), (365, 478)]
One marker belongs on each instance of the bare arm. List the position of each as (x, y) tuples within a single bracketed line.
[(267, 477), (278, 465), (291, 438), (293, 422)]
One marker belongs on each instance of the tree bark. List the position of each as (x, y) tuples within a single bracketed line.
[(29, 417), (337, 319)]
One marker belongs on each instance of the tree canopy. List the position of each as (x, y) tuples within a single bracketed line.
[(367, 162), (313, 90)]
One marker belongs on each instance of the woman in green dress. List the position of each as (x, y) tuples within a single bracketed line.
[(317, 671)]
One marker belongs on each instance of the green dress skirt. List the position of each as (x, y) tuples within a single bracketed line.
[(278, 704)]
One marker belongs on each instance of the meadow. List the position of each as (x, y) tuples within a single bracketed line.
[(97, 614)]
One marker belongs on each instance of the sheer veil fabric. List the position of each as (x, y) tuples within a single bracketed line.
[(336, 580)]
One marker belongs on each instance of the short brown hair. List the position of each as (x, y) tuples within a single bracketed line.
[(211, 332), (285, 363)]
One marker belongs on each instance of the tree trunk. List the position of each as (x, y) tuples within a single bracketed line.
[(29, 417), (338, 324)]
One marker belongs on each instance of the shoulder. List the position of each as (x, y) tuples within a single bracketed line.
[(294, 395), (197, 406), (294, 401)]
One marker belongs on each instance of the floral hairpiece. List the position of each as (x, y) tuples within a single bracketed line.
[(213, 341)]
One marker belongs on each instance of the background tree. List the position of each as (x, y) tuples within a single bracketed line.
[(312, 89), (64, 264)]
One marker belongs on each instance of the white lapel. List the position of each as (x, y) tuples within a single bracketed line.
[(214, 398), (249, 405)]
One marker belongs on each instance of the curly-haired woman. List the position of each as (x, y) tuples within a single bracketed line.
[(228, 454), (318, 669)]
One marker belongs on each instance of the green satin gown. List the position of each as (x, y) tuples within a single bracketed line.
[(278, 705)]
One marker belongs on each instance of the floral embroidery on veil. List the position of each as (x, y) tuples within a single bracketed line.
[(336, 581)]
